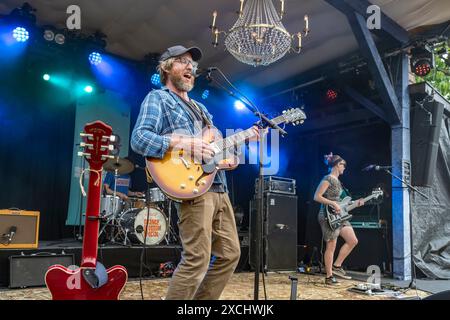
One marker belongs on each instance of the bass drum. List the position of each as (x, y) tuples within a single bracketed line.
[(135, 220)]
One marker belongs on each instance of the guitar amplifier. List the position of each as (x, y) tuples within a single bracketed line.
[(29, 270), (277, 185), (19, 229)]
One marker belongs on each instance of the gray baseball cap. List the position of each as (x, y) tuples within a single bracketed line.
[(176, 51)]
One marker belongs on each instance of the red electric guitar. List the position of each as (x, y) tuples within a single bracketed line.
[(91, 281)]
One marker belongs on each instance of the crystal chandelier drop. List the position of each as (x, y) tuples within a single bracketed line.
[(258, 37)]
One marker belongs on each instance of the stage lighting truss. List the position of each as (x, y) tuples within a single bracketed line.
[(422, 60)]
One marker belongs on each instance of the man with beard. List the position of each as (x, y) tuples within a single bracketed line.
[(170, 119)]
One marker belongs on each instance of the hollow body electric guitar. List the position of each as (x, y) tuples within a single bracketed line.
[(335, 220), (91, 281), (182, 178)]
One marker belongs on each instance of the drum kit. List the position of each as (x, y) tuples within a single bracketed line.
[(138, 220)]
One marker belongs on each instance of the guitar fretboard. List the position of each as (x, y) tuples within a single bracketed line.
[(239, 138), (355, 204)]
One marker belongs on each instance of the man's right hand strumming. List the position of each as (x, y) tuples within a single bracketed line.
[(201, 150)]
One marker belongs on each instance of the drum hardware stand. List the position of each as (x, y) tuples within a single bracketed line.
[(144, 244), (113, 219), (171, 236)]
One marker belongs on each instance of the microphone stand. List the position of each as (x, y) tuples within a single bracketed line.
[(412, 283), (264, 121)]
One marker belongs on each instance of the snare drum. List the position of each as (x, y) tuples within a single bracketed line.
[(110, 205), (156, 195), (135, 220)]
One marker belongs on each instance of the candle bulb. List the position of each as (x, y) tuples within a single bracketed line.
[(299, 35), (306, 23), (214, 19), (216, 40), (242, 6), (282, 6)]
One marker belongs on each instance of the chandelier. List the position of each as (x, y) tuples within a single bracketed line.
[(258, 37)]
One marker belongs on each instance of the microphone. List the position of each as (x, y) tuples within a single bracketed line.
[(368, 168), (12, 232), (376, 167), (199, 71)]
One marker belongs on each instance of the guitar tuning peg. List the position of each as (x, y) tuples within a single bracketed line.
[(104, 157), (88, 145), (109, 147), (87, 135), (83, 154)]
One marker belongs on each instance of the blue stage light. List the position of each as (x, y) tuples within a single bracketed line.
[(156, 79), (88, 89), (21, 34), (239, 105), (205, 94), (46, 77), (95, 58)]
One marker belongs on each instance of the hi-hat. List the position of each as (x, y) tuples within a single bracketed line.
[(123, 166)]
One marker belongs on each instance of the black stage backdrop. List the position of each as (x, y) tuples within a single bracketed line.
[(36, 140)]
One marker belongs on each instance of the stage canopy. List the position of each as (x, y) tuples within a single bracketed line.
[(141, 26)]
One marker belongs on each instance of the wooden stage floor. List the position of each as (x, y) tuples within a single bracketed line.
[(240, 287)]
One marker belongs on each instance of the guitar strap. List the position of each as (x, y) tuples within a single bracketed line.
[(96, 278), (345, 192), (196, 112)]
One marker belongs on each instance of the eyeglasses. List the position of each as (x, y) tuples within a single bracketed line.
[(185, 62)]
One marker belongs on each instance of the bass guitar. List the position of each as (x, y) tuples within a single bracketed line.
[(335, 220)]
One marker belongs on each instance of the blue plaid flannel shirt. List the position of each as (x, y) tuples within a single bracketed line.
[(162, 113)]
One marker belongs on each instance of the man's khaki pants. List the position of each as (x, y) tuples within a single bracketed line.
[(207, 227)]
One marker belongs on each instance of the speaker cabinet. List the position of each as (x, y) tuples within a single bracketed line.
[(30, 270), (426, 125), (26, 225), (373, 249), (279, 245)]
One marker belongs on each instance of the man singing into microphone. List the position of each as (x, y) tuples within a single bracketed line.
[(206, 224)]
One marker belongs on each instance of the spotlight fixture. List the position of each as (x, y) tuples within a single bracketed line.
[(88, 89), (156, 79), (422, 60), (60, 38), (46, 77), (239, 105), (95, 58), (205, 94), (332, 94), (49, 35), (21, 34)]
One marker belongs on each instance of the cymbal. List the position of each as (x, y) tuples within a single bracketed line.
[(123, 166)]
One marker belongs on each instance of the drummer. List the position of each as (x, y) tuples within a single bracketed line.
[(122, 182)]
